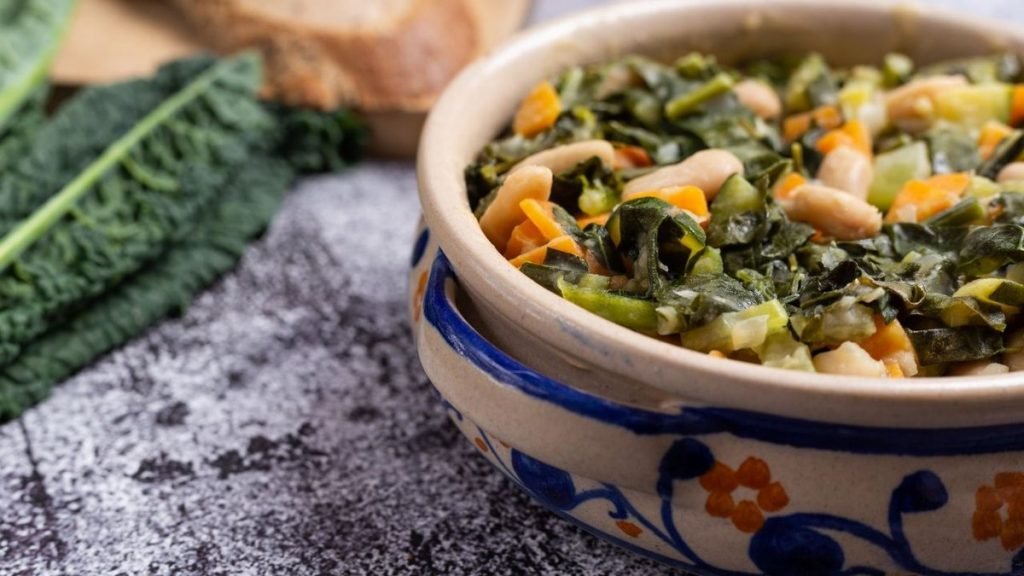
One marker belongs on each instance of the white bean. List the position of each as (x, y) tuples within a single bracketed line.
[(759, 97), (912, 106), (1012, 171), (834, 212), (851, 360), (848, 170), (707, 170), (567, 156), (503, 214)]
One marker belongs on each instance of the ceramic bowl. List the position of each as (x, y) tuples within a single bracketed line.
[(717, 466), (718, 491)]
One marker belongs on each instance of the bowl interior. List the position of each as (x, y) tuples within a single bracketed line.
[(480, 102)]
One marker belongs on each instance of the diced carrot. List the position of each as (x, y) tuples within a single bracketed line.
[(888, 340), (1017, 109), (819, 237), (795, 126), (537, 255), (689, 198), (538, 111), (827, 117), (543, 217), (785, 188), (892, 369), (954, 183), (717, 354), (992, 133), (629, 157), (854, 134), (602, 219), (525, 237), (921, 199)]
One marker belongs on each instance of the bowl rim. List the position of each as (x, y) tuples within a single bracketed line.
[(481, 267)]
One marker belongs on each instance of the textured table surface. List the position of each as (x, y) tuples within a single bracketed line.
[(283, 426)]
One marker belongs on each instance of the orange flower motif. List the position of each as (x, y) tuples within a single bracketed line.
[(747, 515), (990, 521)]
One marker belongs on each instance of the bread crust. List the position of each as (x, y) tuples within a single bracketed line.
[(400, 65)]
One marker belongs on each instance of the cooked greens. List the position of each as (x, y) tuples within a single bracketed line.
[(864, 221)]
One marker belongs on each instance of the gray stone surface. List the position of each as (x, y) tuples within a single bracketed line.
[(282, 426)]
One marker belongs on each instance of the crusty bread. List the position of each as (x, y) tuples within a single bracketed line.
[(380, 54), (388, 58)]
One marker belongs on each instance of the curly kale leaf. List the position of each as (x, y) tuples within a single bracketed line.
[(167, 286), (120, 209)]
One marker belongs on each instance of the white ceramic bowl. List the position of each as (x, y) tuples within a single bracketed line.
[(868, 456)]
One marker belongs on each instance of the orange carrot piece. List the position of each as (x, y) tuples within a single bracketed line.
[(1017, 109), (888, 340), (785, 188), (992, 133), (854, 134), (525, 237), (893, 370), (795, 126), (538, 111), (537, 255), (629, 157), (928, 197), (543, 217), (689, 198)]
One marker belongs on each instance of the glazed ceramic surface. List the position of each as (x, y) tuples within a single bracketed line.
[(580, 348), (718, 491)]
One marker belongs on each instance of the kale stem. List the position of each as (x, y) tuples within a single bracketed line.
[(686, 103), (39, 222)]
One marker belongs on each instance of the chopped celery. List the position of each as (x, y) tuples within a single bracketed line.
[(781, 350), (688, 102), (981, 187), (623, 310), (845, 320), (1006, 294), (808, 86), (896, 69), (966, 212), (973, 106), (895, 168), (708, 261), (737, 330)]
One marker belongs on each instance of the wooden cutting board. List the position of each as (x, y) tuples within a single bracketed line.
[(113, 40)]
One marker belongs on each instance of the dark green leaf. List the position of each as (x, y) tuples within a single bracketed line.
[(943, 345)]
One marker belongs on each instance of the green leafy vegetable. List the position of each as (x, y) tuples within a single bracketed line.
[(30, 34), (167, 286)]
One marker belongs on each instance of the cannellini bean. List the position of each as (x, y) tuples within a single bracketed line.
[(848, 170), (1013, 357), (759, 97), (707, 170), (567, 156), (978, 368), (504, 213), (834, 212), (1012, 171), (849, 359), (911, 106)]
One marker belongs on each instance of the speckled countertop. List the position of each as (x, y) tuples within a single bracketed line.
[(283, 426)]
